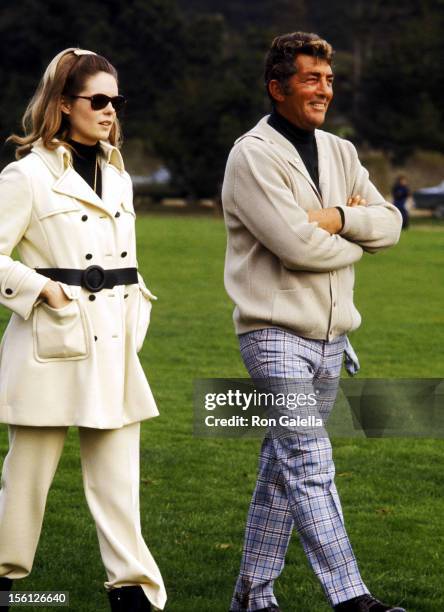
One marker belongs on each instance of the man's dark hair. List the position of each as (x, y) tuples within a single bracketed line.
[(279, 61)]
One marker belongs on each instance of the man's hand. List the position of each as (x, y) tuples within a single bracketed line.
[(54, 295), (329, 219), (356, 200)]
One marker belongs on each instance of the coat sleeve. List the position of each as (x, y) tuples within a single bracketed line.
[(20, 285), (375, 226), (144, 289), (265, 204)]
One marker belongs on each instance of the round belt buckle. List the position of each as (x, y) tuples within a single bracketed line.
[(93, 278)]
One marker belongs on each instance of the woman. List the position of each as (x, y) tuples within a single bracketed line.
[(80, 314)]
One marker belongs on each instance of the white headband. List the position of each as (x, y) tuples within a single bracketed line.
[(51, 69), (83, 52)]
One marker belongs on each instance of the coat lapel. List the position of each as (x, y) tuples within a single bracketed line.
[(70, 183), (324, 168), (287, 150), (297, 162), (112, 188)]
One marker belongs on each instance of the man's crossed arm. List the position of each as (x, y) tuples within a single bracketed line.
[(330, 219)]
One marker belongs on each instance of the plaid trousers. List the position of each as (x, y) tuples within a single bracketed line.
[(295, 484)]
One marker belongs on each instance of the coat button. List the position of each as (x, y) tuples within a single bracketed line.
[(84, 217), (92, 298), (8, 291), (95, 338), (123, 254), (117, 214), (88, 256), (125, 296)]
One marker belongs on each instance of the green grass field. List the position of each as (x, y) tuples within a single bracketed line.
[(195, 492)]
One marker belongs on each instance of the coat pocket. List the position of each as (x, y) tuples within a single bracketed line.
[(60, 333), (143, 315)]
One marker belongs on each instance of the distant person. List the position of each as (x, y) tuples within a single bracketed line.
[(401, 192), (80, 312), (300, 211)]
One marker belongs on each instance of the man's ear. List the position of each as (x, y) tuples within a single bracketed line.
[(276, 91), (65, 106)]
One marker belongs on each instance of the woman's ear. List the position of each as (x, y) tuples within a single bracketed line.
[(65, 106)]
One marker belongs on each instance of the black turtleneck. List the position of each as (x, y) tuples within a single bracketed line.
[(304, 142), (84, 162)]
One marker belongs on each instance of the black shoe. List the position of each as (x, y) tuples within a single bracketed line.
[(365, 603), (129, 599), (5, 585)]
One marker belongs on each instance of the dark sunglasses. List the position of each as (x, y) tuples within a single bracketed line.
[(99, 101)]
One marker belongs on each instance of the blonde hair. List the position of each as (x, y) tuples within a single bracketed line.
[(65, 75)]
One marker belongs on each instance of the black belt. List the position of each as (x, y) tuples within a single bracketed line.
[(93, 278)]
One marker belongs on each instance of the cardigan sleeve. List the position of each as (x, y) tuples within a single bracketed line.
[(20, 286), (264, 202), (375, 226)]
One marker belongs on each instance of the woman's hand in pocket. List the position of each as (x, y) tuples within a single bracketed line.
[(54, 295)]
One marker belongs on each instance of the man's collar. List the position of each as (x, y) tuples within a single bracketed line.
[(288, 129), (263, 131)]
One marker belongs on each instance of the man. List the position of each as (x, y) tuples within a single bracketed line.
[(300, 211), (400, 193)]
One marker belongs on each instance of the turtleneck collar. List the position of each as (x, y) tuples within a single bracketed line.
[(304, 141), (84, 161), (289, 130), (85, 151)]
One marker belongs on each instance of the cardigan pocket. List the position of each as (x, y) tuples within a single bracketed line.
[(60, 333)]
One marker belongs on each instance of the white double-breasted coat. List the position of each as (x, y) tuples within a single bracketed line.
[(77, 365)]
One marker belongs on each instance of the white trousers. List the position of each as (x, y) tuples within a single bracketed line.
[(110, 468)]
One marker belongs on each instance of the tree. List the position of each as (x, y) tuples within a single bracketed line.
[(218, 97), (142, 39), (402, 87)]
